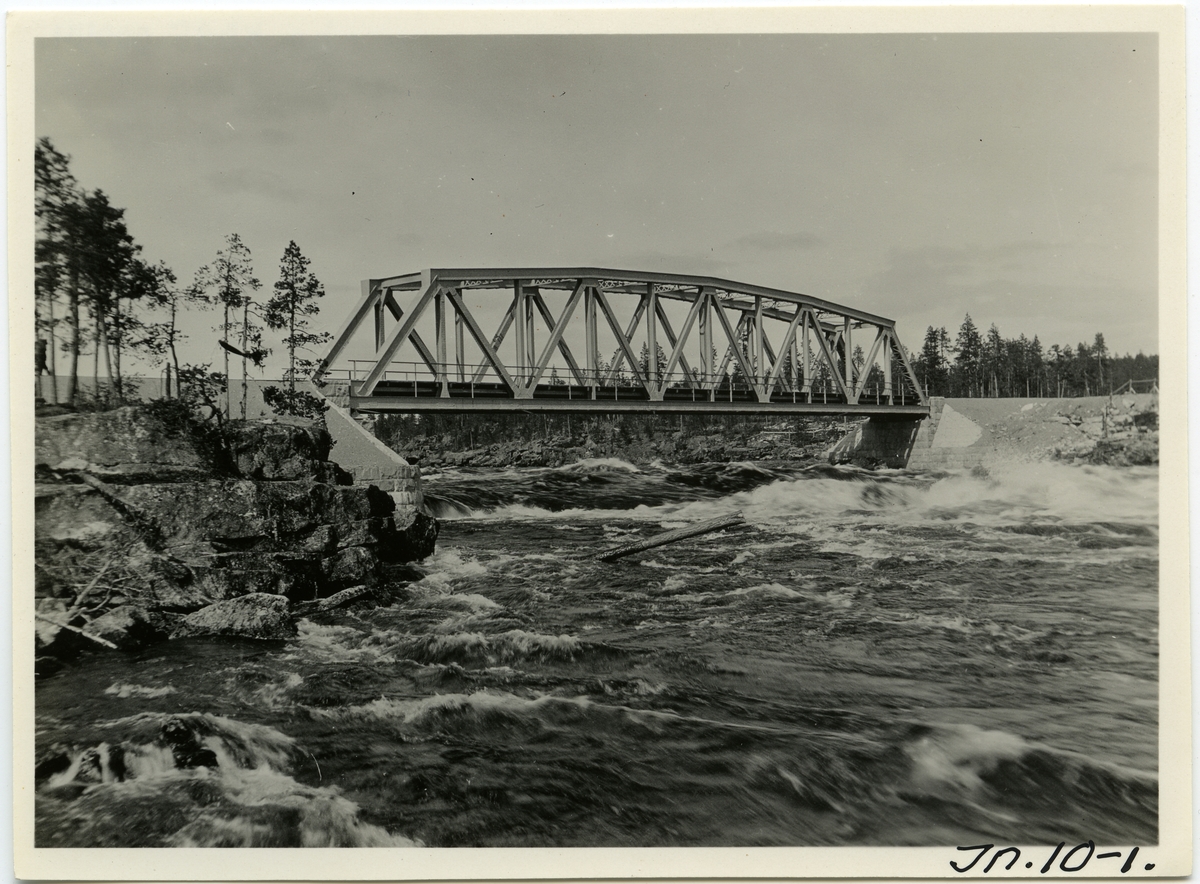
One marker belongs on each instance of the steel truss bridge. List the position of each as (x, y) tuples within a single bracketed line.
[(582, 339)]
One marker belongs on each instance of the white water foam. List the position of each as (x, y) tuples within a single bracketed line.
[(959, 754), (125, 691), (600, 464)]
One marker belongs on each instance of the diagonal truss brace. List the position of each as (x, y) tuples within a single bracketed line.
[(399, 336), (489, 351)]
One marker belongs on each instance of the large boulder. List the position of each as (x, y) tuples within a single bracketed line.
[(130, 444), (257, 615), (130, 627), (414, 537), (270, 451)]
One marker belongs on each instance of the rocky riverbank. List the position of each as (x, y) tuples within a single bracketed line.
[(1118, 430), (790, 440), (970, 433), (150, 525)]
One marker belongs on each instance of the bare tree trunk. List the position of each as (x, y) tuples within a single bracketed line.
[(96, 358), (108, 361), (292, 350), (174, 355), (225, 336), (117, 347), (245, 330), (53, 345), (73, 381)]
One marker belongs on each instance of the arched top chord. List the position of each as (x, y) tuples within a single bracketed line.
[(477, 338)]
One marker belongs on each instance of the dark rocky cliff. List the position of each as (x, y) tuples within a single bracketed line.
[(150, 525)]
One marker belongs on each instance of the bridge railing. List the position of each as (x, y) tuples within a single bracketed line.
[(479, 380)]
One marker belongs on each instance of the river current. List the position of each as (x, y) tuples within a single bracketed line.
[(876, 658)]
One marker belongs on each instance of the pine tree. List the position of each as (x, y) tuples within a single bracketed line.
[(660, 362), (106, 256), (1100, 353), (992, 360), (231, 277), (294, 300), (1036, 359), (160, 338), (56, 198)]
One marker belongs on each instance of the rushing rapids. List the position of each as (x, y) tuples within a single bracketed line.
[(879, 658)]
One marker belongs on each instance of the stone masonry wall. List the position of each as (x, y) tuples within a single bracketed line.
[(933, 453)]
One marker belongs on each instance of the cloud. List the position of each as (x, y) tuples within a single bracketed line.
[(254, 182), (1046, 289), (771, 241), (694, 264)]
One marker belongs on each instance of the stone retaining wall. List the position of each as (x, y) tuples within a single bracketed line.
[(942, 451)]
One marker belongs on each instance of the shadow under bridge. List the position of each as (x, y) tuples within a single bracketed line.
[(595, 340)]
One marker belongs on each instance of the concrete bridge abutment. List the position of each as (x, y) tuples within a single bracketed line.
[(894, 442)]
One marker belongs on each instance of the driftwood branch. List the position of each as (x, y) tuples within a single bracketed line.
[(337, 600), (85, 634), (78, 606), (695, 530)]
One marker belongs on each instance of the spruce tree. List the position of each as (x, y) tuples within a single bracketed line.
[(969, 345)]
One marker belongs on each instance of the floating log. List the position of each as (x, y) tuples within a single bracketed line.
[(337, 600), (666, 537)]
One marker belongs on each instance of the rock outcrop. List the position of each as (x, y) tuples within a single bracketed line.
[(128, 444), (257, 615), (167, 521)]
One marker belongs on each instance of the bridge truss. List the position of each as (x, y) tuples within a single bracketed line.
[(582, 340)]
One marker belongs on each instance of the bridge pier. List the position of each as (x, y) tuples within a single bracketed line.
[(881, 441)]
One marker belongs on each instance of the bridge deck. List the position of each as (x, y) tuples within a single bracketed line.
[(465, 397)]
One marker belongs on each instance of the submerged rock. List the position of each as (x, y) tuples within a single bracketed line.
[(185, 746)]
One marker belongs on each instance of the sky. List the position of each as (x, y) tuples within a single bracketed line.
[(919, 177)]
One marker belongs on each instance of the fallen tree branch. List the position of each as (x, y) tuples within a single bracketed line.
[(78, 606), (337, 600), (94, 638)]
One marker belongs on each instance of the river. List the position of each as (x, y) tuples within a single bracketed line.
[(877, 658)]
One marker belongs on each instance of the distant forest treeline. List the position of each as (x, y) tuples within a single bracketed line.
[(975, 365)]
